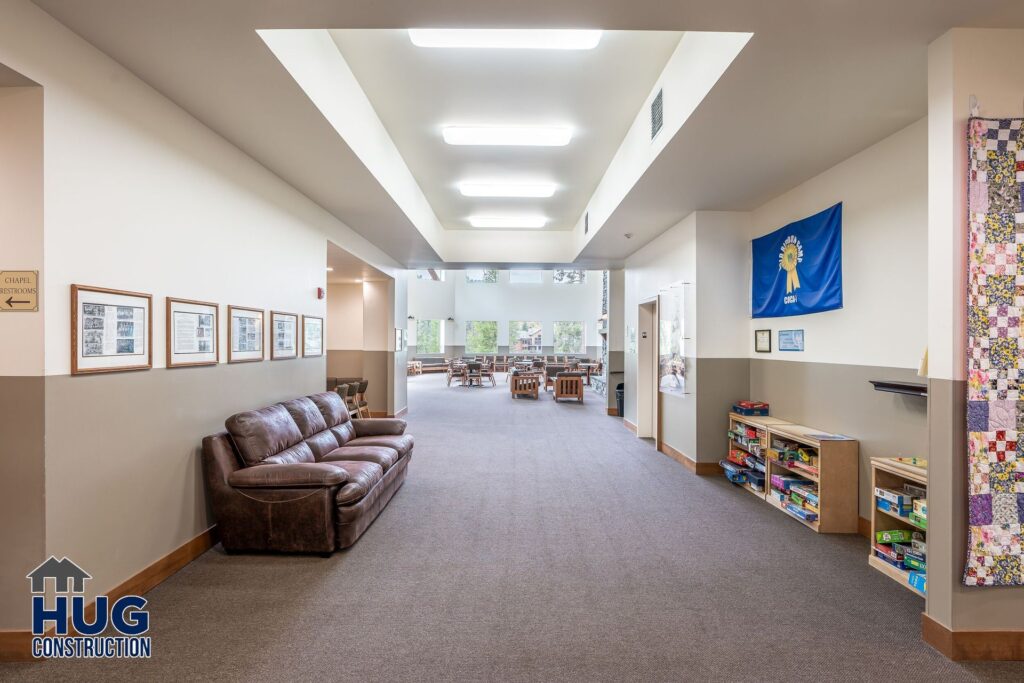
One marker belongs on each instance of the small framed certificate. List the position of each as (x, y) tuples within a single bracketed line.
[(763, 341), (791, 340), (193, 333)]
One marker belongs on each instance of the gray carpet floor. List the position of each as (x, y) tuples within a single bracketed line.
[(536, 541)]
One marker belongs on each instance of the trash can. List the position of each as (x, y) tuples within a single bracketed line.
[(620, 398)]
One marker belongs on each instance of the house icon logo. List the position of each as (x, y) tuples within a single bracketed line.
[(63, 572), (63, 627)]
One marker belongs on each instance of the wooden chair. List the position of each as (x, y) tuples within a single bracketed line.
[(525, 385), (474, 374), (456, 371), (351, 402), (361, 404), (569, 385), (487, 372), (549, 375)]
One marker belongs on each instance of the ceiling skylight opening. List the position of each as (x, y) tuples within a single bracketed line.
[(472, 189), (503, 38), (530, 221), (527, 136)]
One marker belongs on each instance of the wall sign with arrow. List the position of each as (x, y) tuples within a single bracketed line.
[(19, 290)]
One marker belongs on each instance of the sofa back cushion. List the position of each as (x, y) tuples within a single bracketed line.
[(312, 426), (268, 435), (335, 415)]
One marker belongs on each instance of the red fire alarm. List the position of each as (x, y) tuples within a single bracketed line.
[(319, 292)]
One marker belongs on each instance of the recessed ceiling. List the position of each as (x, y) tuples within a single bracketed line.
[(417, 91), (818, 82), (344, 267)]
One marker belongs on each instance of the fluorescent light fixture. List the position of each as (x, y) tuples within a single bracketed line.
[(470, 189), (535, 136), (506, 38), (532, 221)]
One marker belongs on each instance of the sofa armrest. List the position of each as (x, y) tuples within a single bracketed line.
[(293, 475), (379, 426)]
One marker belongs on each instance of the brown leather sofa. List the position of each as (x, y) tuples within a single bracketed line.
[(301, 476)]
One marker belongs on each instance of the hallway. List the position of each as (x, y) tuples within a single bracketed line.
[(537, 541)]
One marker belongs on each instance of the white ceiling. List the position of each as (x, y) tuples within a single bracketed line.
[(819, 80), (416, 91), (348, 268)]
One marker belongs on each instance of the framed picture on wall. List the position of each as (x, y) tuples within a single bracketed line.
[(791, 340), (284, 335), (193, 333), (245, 334), (312, 336), (671, 342), (111, 330), (763, 341)]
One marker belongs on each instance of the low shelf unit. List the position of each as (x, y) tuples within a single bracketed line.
[(896, 476), (809, 475)]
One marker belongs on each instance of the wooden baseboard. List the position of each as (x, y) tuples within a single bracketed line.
[(864, 527), (966, 646), (379, 413), (629, 425), (702, 469), (614, 412), (15, 646)]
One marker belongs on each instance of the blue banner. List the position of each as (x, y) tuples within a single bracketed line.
[(798, 269)]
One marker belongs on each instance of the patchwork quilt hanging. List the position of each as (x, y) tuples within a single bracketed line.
[(995, 352)]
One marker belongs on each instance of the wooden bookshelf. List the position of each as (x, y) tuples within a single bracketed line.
[(836, 477), (892, 474), (761, 425)]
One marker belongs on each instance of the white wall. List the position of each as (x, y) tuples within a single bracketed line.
[(344, 317), (139, 195), (545, 303), (884, 319), (21, 221)]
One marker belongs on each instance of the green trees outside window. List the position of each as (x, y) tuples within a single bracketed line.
[(569, 337), (481, 336), (429, 336)]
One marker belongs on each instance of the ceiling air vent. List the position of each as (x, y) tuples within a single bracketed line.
[(656, 114), (586, 223)]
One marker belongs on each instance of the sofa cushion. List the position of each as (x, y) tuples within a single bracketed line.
[(385, 457), (403, 443), (362, 476), (268, 435), (335, 415), (306, 415)]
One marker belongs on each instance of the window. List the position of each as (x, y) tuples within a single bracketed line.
[(569, 277), (481, 336), (569, 337), (524, 336), (430, 274), (429, 336), (525, 277), (487, 276)]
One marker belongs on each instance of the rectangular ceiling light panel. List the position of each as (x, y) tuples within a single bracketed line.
[(508, 221), (507, 189), (509, 39), (534, 136)]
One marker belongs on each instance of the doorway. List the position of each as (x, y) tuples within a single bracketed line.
[(647, 370)]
